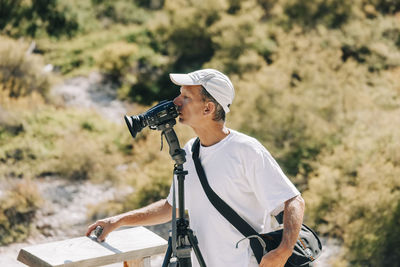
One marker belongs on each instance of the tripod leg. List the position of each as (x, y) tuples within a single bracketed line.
[(185, 262), (183, 252), (183, 259), (168, 254), (193, 241), (170, 261)]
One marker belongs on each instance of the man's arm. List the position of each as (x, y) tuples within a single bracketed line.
[(156, 213), (292, 220)]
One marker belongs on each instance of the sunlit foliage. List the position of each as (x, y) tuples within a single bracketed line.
[(21, 72), (18, 204)]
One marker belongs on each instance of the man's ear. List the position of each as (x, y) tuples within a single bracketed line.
[(209, 108)]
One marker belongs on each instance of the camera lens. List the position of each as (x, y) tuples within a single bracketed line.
[(162, 113), (135, 124)]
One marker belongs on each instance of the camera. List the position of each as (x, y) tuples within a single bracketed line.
[(162, 113)]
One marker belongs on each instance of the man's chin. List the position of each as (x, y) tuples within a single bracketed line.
[(183, 121)]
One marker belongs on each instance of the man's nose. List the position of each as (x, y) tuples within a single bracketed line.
[(177, 101)]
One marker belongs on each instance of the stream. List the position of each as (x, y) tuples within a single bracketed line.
[(64, 212)]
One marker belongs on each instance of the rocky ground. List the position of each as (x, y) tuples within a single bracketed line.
[(64, 213), (92, 92)]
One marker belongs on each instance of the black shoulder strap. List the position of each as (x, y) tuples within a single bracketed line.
[(241, 225)]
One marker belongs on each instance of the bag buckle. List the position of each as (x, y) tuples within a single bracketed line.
[(264, 246)]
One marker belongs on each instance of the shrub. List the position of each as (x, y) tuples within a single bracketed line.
[(119, 11), (74, 144), (18, 206), (21, 73), (240, 45), (82, 158), (330, 124), (372, 42), (78, 55), (116, 59), (154, 190), (9, 124), (332, 13), (354, 194), (40, 17)]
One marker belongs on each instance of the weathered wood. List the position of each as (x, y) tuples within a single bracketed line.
[(145, 262), (124, 245)]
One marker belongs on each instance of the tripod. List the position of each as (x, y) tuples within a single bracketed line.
[(183, 239)]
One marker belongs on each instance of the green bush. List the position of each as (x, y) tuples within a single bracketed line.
[(116, 60), (331, 125), (18, 206), (373, 42), (78, 56), (332, 13), (124, 12), (73, 144), (383, 6), (156, 189), (354, 192), (82, 158), (21, 73), (37, 17)]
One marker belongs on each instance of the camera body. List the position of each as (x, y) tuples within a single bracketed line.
[(162, 113)]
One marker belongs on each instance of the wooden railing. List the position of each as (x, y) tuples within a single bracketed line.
[(132, 246)]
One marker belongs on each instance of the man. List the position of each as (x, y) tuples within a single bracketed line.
[(240, 171)]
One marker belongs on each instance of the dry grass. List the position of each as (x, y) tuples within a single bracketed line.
[(21, 73), (18, 205)]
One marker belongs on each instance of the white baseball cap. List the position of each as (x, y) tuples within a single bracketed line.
[(216, 83)]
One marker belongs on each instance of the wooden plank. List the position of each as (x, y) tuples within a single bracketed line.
[(120, 246), (145, 262)]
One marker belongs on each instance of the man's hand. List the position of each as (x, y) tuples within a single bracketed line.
[(108, 225), (156, 213), (275, 258)]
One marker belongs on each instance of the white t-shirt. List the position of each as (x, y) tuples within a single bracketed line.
[(243, 173)]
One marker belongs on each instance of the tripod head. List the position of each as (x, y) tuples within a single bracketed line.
[(177, 154)]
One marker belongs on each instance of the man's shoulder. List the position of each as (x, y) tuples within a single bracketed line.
[(244, 139), (236, 140), (246, 143)]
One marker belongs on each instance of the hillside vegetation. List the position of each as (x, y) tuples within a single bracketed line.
[(317, 82)]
